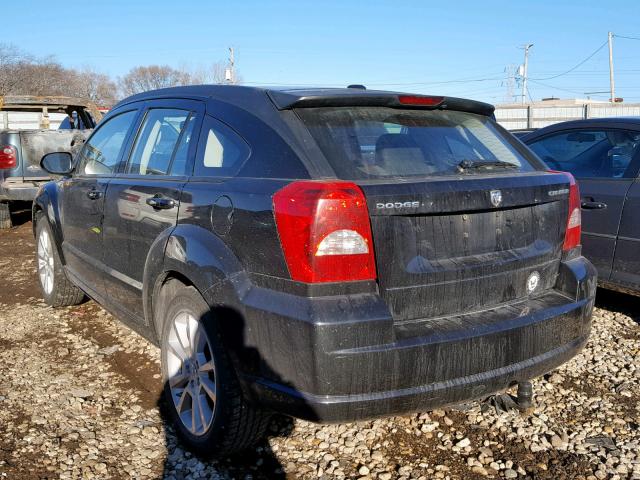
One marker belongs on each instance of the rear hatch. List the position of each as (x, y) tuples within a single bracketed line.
[(455, 251), (463, 217)]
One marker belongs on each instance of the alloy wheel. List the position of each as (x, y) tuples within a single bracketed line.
[(191, 373), (45, 262)]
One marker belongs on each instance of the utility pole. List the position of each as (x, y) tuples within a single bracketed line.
[(525, 69), (230, 74), (612, 83)]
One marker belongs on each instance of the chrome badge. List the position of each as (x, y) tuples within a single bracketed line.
[(496, 197), (532, 282)]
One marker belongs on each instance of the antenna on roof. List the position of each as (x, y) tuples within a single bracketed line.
[(358, 86)]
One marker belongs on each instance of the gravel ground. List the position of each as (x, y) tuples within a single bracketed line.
[(79, 399)]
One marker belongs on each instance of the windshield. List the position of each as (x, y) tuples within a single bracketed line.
[(381, 142)]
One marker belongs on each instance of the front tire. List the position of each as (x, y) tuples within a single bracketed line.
[(57, 289), (201, 390)]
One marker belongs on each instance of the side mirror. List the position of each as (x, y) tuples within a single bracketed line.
[(57, 163)]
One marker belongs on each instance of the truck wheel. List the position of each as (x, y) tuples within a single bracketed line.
[(5, 216), (57, 289), (201, 389)]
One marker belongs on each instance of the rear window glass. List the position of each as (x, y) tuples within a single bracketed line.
[(380, 142)]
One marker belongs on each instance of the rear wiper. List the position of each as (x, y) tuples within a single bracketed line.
[(465, 165)]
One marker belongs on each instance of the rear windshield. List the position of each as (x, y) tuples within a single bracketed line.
[(380, 142)]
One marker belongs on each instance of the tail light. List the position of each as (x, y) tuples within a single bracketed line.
[(420, 100), (325, 232), (574, 220), (8, 157)]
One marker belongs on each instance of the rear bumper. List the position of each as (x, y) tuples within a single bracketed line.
[(343, 359), (17, 191), (346, 408)]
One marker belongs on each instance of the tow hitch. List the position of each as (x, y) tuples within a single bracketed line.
[(525, 394), (503, 402)]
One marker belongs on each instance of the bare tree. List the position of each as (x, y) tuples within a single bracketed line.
[(44, 77), (214, 73), (22, 74), (141, 79), (12, 59), (97, 87)]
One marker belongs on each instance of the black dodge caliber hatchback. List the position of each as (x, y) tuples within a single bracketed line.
[(331, 254)]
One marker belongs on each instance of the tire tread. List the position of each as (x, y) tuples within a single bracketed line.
[(244, 423), (65, 293)]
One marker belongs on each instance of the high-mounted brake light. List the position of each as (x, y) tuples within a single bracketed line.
[(420, 100), (574, 219), (325, 231), (8, 157)]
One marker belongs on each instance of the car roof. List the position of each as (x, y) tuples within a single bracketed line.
[(592, 122), (619, 122), (290, 97)]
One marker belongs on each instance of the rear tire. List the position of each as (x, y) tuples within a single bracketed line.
[(5, 216), (203, 396), (57, 289)]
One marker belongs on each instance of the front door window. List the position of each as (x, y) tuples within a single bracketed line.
[(101, 153)]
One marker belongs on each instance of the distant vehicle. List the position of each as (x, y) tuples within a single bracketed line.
[(604, 156), (331, 254), (31, 126), (522, 132)]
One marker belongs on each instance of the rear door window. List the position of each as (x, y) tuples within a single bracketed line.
[(589, 153), (382, 142), (221, 152)]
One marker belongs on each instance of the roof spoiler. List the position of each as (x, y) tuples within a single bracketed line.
[(285, 100)]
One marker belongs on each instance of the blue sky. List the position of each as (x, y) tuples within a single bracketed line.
[(440, 47)]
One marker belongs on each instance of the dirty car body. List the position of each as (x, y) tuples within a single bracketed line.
[(364, 253)]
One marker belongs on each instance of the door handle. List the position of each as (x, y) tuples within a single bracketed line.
[(161, 203), (593, 205), (94, 194)]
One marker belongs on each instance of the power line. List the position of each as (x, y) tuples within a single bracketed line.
[(577, 66), (444, 82), (555, 88), (628, 38)]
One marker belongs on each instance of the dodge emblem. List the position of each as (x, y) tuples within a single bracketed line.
[(496, 197), (532, 282)]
